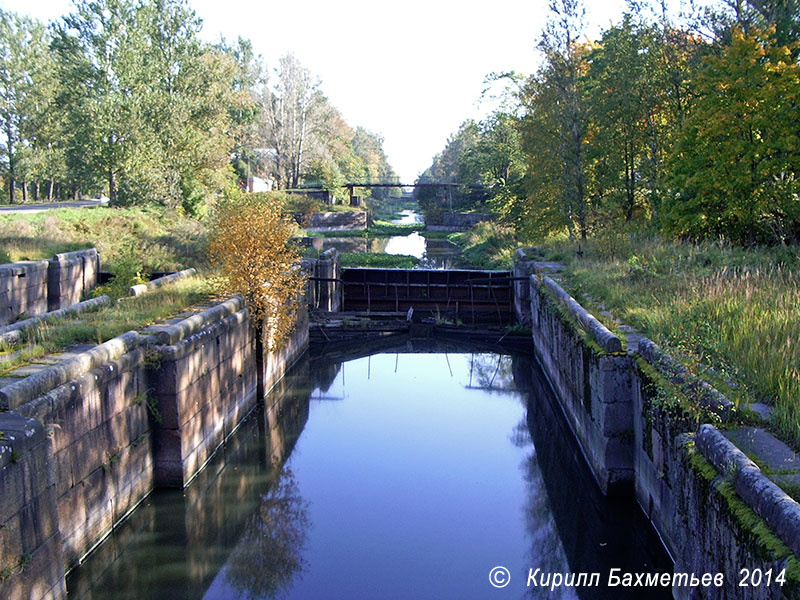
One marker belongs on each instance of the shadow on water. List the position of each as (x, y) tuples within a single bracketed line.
[(243, 508), (583, 531), (241, 528)]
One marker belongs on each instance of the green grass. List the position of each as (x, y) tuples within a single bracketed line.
[(379, 229), (487, 245), (338, 208), (732, 315), (163, 240), (439, 235), (383, 261), (102, 325)]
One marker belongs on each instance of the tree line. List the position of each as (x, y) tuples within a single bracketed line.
[(122, 97), (684, 124)]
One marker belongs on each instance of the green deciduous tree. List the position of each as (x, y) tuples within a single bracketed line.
[(25, 100), (555, 124), (98, 66), (735, 165), (149, 107)]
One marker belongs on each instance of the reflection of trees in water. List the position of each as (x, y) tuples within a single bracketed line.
[(491, 372), (547, 553), (521, 436), (269, 555), (325, 375)]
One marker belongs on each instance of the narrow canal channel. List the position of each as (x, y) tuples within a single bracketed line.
[(398, 475), (433, 253)]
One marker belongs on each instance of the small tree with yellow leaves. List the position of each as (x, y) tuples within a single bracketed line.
[(250, 242)]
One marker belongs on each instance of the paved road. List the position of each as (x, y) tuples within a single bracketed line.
[(34, 208)]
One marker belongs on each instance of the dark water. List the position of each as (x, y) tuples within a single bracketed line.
[(403, 475)]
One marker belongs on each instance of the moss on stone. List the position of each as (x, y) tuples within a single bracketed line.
[(765, 540), (569, 321)]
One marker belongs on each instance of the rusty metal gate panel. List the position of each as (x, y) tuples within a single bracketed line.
[(456, 295)]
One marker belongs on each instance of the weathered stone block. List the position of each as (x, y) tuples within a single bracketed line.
[(617, 419), (11, 547), (42, 578), (91, 451), (177, 408), (169, 473), (37, 521)]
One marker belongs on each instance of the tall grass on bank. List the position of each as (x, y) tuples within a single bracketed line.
[(732, 314), (378, 230), (100, 326), (378, 260), (487, 245), (164, 240)]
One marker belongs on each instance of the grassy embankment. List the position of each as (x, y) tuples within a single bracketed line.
[(108, 322), (730, 314), (485, 246), (380, 229), (130, 241), (158, 239)]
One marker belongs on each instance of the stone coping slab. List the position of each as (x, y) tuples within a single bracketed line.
[(766, 447), (19, 268), (28, 370), (138, 290), (782, 462), (12, 334), (186, 327), (38, 379), (66, 256), (19, 434), (27, 389), (605, 339), (708, 396), (769, 501)]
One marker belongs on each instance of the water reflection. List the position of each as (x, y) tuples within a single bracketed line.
[(269, 555), (412, 245), (573, 527), (175, 544), (409, 217), (405, 474), (433, 254)]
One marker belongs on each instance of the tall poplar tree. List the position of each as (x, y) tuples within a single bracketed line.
[(24, 80)]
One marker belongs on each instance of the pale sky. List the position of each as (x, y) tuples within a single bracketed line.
[(410, 71)]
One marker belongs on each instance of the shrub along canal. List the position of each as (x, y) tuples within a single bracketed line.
[(397, 475)]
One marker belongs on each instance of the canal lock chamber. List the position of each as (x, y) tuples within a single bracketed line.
[(408, 473)]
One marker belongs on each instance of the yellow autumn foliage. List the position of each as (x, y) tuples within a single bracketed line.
[(250, 243)]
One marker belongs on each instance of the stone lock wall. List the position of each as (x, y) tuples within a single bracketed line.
[(34, 287), (23, 290), (593, 381), (702, 522), (105, 427), (70, 275), (714, 509), (94, 410), (102, 452), (30, 541), (205, 383), (337, 221)]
